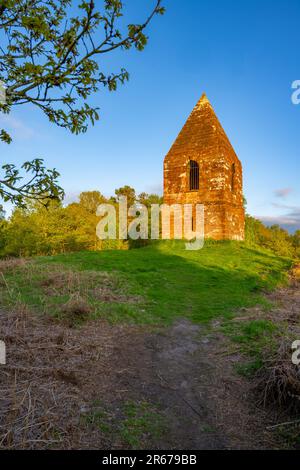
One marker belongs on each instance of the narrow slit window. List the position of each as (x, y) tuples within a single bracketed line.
[(233, 177), (194, 175)]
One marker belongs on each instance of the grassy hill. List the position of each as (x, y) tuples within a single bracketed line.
[(122, 383), (151, 285)]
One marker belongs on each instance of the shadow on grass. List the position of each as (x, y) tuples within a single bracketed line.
[(198, 285)]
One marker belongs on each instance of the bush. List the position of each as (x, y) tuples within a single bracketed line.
[(272, 238)]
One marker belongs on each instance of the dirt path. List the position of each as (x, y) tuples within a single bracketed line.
[(57, 378), (168, 368), (184, 370)]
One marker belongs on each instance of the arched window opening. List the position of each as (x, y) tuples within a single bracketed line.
[(194, 175), (233, 177)]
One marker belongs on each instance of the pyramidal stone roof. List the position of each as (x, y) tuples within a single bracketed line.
[(201, 131)]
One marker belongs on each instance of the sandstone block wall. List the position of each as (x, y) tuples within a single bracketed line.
[(203, 140)]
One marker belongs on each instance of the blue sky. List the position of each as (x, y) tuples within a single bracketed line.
[(243, 54)]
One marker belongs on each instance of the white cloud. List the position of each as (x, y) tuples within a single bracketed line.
[(283, 192), (290, 220), (16, 127)]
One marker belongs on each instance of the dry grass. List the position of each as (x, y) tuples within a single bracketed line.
[(63, 293), (54, 371), (76, 310), (266, 355), (279, 380), (10, 264), (51, 375), (102, 286)]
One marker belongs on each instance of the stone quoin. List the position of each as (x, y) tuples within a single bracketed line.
[(203, 168)]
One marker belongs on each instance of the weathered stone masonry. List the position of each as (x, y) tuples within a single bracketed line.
[(204, 141)]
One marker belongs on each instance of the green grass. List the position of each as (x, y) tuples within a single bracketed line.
[(136, 424), (252, 339), (140, 420), (249, 368), (170, 281), (289, 434)]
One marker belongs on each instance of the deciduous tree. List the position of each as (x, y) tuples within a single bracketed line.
[(51, 56)]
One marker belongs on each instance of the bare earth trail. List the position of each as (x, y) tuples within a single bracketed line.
[(56, 377), (206, 404)]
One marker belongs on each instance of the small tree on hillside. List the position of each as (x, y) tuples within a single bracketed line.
[(127, 191), (148, 199), (90, 200)]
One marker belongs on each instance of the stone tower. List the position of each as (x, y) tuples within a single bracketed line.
[(203, 168)]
